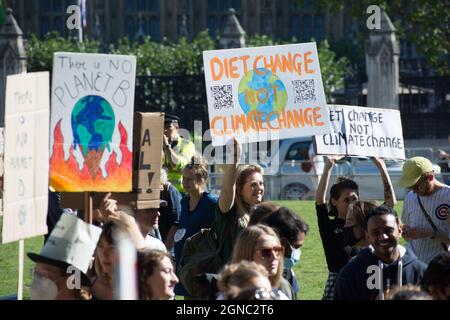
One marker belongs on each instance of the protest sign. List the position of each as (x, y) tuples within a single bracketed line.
[(91, 122), (147, 157), (26, 156), (265, 93), (361, 131)]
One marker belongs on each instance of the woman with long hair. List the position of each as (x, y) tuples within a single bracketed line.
[(242, 188), (105, 263), (157, 278), (260, 243)]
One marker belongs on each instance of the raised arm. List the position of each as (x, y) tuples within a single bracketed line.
[(122, 220), (228, 190), (389, 194), (325, 179)]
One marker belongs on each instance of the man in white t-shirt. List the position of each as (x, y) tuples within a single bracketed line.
[(427, 234), (145, 219)]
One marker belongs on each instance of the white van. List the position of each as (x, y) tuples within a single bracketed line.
[(289, 174)]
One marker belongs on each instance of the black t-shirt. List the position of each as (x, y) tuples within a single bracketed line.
[(337, 253)]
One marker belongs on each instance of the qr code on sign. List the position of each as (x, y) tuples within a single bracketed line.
[(223, 96), (304, 90)]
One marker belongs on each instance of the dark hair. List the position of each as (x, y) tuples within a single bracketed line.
[(361, 209), (107, 232), (408, 292), (380, 211), (286, 223), (260, 211), (341, 184), (438, 271)]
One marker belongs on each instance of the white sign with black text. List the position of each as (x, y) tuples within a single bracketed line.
[(362, 131)]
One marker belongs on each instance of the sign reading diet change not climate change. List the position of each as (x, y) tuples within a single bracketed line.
[(92, 122), (265, 93), (361, 131)]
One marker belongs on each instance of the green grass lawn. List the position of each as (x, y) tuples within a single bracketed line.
[(311, 271), (9, 262)]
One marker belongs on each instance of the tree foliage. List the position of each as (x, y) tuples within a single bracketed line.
[(422, 22), (40, 52), (179, 58)]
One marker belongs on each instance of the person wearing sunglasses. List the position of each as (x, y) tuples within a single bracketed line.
[(342, 194), (426, 209), (260, 243), (292, 231)]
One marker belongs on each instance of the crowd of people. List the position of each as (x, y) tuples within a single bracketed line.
[(254, 244)]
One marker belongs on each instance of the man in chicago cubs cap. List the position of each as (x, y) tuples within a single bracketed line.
[(425, 209)]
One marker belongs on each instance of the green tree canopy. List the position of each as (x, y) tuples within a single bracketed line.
[(179, 58), (422, 22)]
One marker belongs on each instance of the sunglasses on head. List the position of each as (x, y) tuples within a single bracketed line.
[(266, 253), (264, 294)]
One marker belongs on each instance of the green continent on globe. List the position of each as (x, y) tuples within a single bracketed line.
[(262, 91), (93, 124)]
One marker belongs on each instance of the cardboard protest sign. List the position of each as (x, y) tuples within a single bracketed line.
[(265, 93), (25, 195), (91, 122), (147, 157), (361, 131)]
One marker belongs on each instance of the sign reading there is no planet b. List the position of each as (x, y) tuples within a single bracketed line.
[(92, 122)]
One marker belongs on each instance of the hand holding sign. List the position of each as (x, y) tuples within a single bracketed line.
[(234, 150), (362, 131), (331, 160)]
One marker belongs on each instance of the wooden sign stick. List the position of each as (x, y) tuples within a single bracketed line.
[(88, 208)]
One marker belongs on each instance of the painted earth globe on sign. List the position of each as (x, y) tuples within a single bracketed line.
[(262, 91), (93, 124)]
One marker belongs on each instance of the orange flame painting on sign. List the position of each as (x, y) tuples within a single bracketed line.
[(92, 122)]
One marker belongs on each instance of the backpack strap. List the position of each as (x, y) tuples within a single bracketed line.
[(430, 221)]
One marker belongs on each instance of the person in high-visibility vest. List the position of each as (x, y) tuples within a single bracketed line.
[(178, 151)]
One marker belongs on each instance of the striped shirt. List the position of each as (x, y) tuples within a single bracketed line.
[(437, 206)]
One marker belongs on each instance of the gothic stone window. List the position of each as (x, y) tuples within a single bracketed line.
[(141, 18), (52, 16), (218, 13)]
